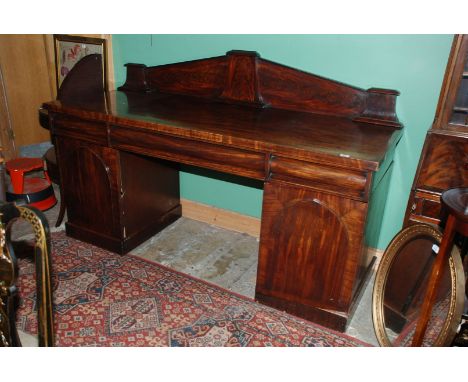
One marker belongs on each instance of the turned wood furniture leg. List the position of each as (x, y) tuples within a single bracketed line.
[(455, 205), (434, 281)]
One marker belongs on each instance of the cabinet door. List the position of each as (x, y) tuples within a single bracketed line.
[(311, 244), (90, 182), (459, 87)]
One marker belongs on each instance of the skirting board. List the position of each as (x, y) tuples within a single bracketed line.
[(377, 253), (235, 221), (221, 218)]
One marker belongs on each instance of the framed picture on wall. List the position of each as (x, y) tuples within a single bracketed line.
[(71, 49)]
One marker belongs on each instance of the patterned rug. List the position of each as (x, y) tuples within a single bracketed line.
[(103, 299), (434, 327)]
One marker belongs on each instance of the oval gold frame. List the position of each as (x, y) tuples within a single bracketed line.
[(456, 274)]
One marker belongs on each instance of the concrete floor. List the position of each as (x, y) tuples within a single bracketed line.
[(222, 257)]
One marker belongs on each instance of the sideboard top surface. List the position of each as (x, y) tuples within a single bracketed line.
[(299, 135), (242, 101)]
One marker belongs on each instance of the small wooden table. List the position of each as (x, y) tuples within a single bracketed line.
[(455, 206)]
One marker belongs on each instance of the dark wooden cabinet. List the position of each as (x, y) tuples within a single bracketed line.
[(319, 223), (119, 200), (323, 149), (444, 159), (97, 188)]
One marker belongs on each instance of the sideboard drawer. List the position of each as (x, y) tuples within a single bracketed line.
[(71, 127), (430, 208), (425, 207), (328, 179), (217, 157)]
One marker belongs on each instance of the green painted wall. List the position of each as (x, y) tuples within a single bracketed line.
[(412, 64)]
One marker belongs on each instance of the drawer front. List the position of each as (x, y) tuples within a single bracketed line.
[(207, 155), (430, 208), (445, 164), (329, 179), (425, 208), (91, 131)]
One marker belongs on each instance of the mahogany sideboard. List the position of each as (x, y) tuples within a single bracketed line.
[(323, 149)]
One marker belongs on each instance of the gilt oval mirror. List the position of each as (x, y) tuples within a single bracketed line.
[(400, 285)]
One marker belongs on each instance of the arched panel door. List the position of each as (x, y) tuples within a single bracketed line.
[(89, 179), (303, 268), (311, 246)]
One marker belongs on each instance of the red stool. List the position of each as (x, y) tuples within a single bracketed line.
[(35, 191)]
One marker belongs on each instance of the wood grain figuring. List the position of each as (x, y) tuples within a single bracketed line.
[(311, 137), (80, 129), (85, 84), (295, 270), (241, 115), (319, 177), (445, 164), (242, 83), (188, 79), (220, 158), (101, 198), (287, 88), (245, 77), (430, 208), (380, 107), (234, 221), (104, 204), (141, 212)]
